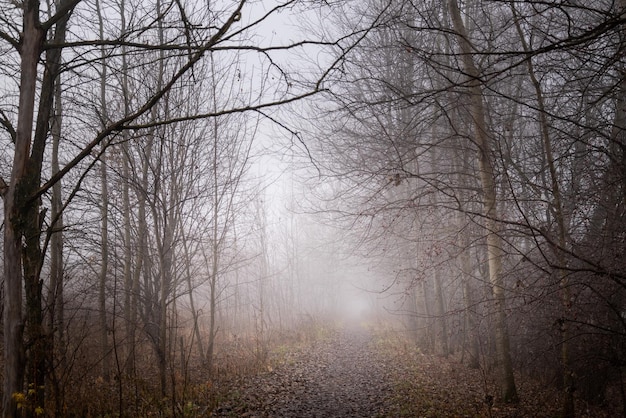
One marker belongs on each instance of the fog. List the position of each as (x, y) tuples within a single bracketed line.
[(199, 191)]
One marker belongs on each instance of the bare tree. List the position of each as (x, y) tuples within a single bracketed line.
[(218, 30), (484, 142), (21, 206)]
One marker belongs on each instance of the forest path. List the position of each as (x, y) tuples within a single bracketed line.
[(340, 376), (356, 373)]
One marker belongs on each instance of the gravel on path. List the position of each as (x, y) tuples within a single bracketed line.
[(342, 376)]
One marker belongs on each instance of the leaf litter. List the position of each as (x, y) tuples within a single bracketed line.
[(361, 372)]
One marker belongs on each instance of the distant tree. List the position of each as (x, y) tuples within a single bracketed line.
[(31, 40)]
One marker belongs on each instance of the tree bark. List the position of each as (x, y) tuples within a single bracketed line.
[(23, 256), (16, 208)]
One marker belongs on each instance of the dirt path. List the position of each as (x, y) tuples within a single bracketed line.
[(339, 377), (353, 374)]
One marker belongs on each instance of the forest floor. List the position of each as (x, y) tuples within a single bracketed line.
[(357, 372)]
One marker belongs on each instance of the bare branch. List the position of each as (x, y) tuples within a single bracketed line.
[(122, 124), (8, 126)]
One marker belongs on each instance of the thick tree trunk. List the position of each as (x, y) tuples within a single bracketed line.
[(494, 242), (23, 254), (14, 356), (471, 339), (16, 208)]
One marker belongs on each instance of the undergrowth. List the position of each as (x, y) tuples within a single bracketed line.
[(194, 390), (433, 386)]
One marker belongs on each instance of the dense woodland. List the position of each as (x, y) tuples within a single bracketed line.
[(187, 183)]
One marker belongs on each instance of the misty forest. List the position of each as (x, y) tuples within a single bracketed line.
[(313, 208)]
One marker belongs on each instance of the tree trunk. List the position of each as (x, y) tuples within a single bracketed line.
[(192, 306), (212, 322), (508, 391), (440, 310), (471, 334), (414, 310), (211, 266), (441, 314), (142, 262), (428, 315), (104, 213), (471, 338), (557, 206), (164, 295), (56, 319), (16, 209), (23, 254), (215, 243), (102, 281)]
